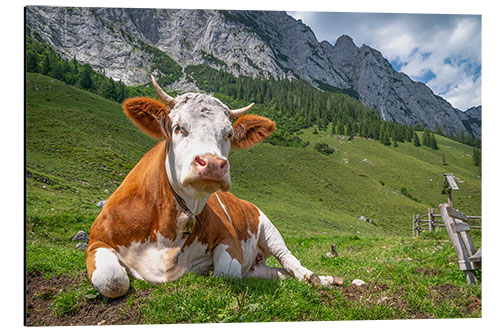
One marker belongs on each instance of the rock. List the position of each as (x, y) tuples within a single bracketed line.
[(81, 236), (358, 282), (367, 161), (100, 204), (362, 218), (82, 246)]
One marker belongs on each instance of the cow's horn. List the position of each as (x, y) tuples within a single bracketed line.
[(162, 94), (239, 112)]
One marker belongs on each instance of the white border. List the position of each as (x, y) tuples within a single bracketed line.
[(12, 20)]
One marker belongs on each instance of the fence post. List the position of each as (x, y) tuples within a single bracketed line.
[(413, 227), (429, 215), (433, 220), (418, 225)]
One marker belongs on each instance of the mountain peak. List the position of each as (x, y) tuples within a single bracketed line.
[(251, 43), (345, 40)]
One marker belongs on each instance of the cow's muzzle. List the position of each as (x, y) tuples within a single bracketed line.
[(210, 173)]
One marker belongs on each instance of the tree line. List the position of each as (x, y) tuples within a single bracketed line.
[(296, 105), (293, 104)]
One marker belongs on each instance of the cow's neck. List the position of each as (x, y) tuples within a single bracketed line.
[(195, 205)]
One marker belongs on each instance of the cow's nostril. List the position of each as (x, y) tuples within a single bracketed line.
[(223, 165), (201, 161)]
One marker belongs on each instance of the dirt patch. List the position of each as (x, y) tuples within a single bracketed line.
[(126, 310), (378, 294), (474, 304), (40, 293), (428, 272), (443, 292)]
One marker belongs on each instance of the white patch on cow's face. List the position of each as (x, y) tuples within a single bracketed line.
[(200, 129)]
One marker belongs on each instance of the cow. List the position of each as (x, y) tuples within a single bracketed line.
[(173, 212)]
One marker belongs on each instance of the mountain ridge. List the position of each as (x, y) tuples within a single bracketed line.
[(263, 44)]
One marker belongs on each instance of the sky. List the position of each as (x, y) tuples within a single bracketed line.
[(442, 51)]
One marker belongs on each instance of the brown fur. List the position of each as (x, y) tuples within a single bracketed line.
[(250, 130), (143, 205), (150, 115)]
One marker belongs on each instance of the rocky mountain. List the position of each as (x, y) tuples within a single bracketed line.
[(122, 43)]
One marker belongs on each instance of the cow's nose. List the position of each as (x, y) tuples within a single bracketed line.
[(210, 165), (200, 161)]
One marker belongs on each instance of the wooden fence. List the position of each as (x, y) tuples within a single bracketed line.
[(431, 220), (469, 260)]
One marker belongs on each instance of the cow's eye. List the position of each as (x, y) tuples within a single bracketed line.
[(229, 136), (177, 129)]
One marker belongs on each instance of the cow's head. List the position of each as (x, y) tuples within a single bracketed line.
[(200, 132)]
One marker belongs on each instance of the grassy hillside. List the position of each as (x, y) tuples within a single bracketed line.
[(80, 146)]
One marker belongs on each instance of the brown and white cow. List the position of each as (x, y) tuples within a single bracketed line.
[(145, 229)]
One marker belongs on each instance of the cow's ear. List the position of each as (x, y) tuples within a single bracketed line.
[(150, 115), (250, 130)]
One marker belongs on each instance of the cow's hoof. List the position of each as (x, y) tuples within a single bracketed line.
[(313, 279), (330, 281), (338, 280)]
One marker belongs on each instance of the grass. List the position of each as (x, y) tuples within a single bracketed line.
[(80, 147)]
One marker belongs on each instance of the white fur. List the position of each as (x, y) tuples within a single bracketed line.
[(265, 272), (205, 124), (272, 243), (163, 260), (224, 264), (110, 277)]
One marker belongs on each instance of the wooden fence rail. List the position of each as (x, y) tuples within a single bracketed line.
[(429, 222), (469, 260)]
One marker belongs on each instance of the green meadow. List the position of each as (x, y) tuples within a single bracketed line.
[(80, 146)]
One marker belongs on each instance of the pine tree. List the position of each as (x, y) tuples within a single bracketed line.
[(74, 66), (395, 141), (438, 130), (57, 71), (46, 65), (350, 130), (476, 156), (31, 62), (86, 77), (385, 138), (433, 142), (121, 92), (364, 130), (340, 127), (443, 159), (416, 140), (426, 138), (409, 134)]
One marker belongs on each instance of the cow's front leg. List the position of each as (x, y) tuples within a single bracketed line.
[(228, 259), (271, 242), (108, 276)]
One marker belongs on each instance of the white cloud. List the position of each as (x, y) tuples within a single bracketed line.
[(443, 51)]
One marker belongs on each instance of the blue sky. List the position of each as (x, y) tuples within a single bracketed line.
[(443, 51)]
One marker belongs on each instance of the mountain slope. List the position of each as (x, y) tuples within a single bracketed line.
[(80, 147), (124, 44), (395, 95)]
